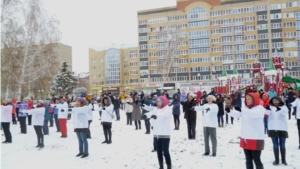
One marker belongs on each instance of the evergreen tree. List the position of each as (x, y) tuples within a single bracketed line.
[(65, 82)]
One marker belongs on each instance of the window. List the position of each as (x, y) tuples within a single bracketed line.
[(289, 24), (198, 14), (277, 45), (250, 28), (227, 50), (144, 80), (144, 63), (199, 43), (176, 18), (157, 20), (275, 25), (238, 21), (198, 60), (261, 8), (263, 46), (133, 54), (262, 26), (250, 19), (134, 80), (143, 38), (94, 76), (289, 15), (143, 55), (276, 16), (133, 72), (94, 68), (142, 22), (262, 17), (250, 37), (142, 30), (133, 64), (290, 44), (291, 54), (200, 69), (250, 47), (263, 55), (217, 49), (142, 47), (243, 10), (198, 24), (215, 31), (275, 6), (112, 66), (93, 60), (262, 36), (202, 77), (290, 34), (220, 13), (183, 61), (101, 67), (276, 35), (199, 50), (239, 30), (153, 63), (199, 34)]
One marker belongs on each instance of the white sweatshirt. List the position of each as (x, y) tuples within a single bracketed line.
[(61, 115), (37, 116), (6, 113), (277, 119), (296, 103), (80, 117), (107, 113), (210, 118), (162, 124), (252, 122), (90, 112)]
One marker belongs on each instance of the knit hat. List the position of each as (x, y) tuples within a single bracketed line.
[(192, 94), (211, 96)]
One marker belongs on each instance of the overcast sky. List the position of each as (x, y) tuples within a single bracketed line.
[(98, 23)]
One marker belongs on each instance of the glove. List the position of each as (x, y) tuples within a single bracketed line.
[(290, 105), (62, 110), (152, 127), (237, 108), (268, 108), (103, 108), (144, 116), (143, 105), (208, 109), (170, 105), (93, 109), (278, 108), (227, 110), (153, 117), (69, 109), (54, 106), (192, 108), (128, 102)]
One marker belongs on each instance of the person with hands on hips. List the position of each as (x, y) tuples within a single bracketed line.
[(209, 121), (161, 116), (277, 126), (252, 133)]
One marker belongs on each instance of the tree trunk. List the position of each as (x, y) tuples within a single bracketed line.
[(7, 91), (19, 92), (28, 89)]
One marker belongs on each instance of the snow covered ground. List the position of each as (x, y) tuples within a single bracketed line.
[(132, 149)]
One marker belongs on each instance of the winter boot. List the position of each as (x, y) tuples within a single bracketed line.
[(219, 124), (169, 167), (140, 125), (222, 124), (276, 155), (136, 125), (283, 155), (161, 165)]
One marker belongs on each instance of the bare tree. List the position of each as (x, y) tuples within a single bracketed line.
[(29, 38), (169, 41)]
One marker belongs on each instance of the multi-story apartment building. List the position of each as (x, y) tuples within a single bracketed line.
[(216, 35)]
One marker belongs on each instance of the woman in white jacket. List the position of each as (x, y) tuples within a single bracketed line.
[(161, 128), (209, 121), (277, 127), (296, 104), (106, 119), (128, 109)]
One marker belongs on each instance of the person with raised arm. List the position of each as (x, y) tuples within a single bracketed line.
[(106, 119), (209, 121), (6, 112), (38, 114), (161, 128), (21, 106), (252, 133), (296, 104), (277, 126), (62, 117)]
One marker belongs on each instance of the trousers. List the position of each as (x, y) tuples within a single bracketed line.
[(210, 132)]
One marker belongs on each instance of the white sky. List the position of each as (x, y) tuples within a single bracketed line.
[(98, 23)]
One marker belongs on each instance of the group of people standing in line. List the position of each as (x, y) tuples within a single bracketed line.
[(261, 114)]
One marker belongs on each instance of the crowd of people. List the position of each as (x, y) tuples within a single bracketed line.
[(263, 113)]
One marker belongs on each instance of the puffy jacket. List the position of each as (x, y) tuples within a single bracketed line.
[(272, 94), (220, 104), (210, 117), (183, 97), (61, 115), (47, 114), (106, 115), (128, 107), (296, 103), (147, 102), (252, 133), (277, 118), (190, 114), (176, 104), (122, 96)]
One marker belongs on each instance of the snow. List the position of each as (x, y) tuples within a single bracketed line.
[(132, 148)]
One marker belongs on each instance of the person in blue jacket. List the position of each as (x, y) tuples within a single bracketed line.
[(176, 110), (272, 93), (56, 117), (239, 98), (46, 117)]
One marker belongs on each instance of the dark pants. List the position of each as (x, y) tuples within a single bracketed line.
[(147, 125), (278, 142), (163, 150), (176, 121), (14, 120), (155, 143), (220, 119), (107, 131), (136, 124), (6, 130), (253, 155), (89, 131), (23, 125), (117, 113), (40, 135), (191, 126), (230, 118), (100, 112), (290, 110), (45, 127), (56, 122), (129, 118), (83, 143), (298, 124), (51, 119), (29, 119), (266, 124)]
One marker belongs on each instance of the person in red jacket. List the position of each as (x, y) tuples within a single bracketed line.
[(265, 103), (252, 134), (30, 105), (248, 90), (198, 96)]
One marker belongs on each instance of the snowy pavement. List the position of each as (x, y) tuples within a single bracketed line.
[(132, 149)]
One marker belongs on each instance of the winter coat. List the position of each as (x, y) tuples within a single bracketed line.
[(37, 116), (203, 98), (291, 96), (61, 115), (176, 104), (30, 104), (296, 103), (190, 114), (183, 97), (162, 124), (147, 102), (220, 104), (277, 123), (239, 99), (210, 117), (128, 107), (233, 99), (272, 94), (198, 98), (21, 107), (252, 133), (228, 101), (212, 93), (136, 112), (6, 112), (116, 104), (81, 118), (106, 115), (122, 96), (142, 96), (158, 93), (47, 114)]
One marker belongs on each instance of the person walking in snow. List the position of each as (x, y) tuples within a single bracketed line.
[(190, 115), (252, 134), (106, 119), (38, 114), (296, 104), (209, 121), (176, 110), (277, 126), (161, 129), (6, 112)]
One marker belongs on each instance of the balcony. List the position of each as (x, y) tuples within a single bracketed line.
[(226, 34), (240, 61), (239, 33), (226, 25), (239, 51), (238, 23), (226, 43), (227, 62), (227, 52), (239, 42)]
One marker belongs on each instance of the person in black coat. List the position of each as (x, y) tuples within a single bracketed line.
[(190, 115), (290, 97), (220, 103), (203, 98), (116, 104)]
